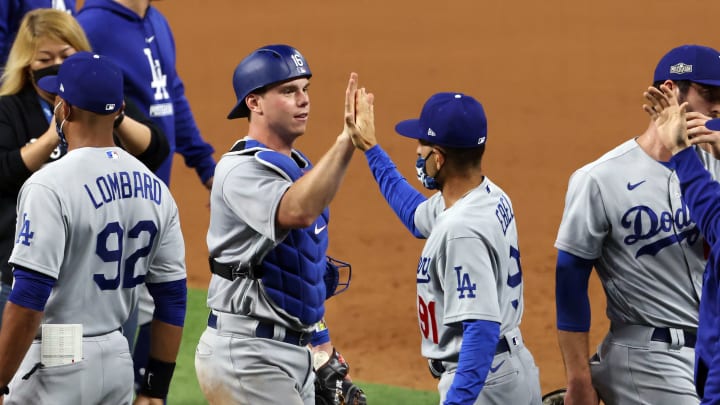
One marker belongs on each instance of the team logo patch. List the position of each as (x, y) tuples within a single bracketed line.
[(681, 68), (465, 285), (431, 132), (25, 235)]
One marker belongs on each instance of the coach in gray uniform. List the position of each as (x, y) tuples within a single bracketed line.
[(625, 216), (91, 228), (469, 278)]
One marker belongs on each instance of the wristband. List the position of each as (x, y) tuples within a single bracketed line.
[(156, 381), (119, 119)]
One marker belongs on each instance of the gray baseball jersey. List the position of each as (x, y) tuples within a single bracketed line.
[(101, 223), (470, 269), (245, 197), (626, 212), (243, 230)]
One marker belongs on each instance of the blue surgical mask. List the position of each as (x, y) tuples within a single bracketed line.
[(59, 128), (428, 181)]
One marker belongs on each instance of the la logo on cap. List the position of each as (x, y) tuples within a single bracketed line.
[(62, 88), (431, 132)]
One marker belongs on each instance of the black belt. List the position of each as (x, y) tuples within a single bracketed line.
[(266, 330), (663, 335), (234, 271), (437, 368)]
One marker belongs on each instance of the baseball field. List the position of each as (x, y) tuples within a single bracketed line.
[(561, 83)]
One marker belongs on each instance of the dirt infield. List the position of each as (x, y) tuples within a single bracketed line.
[(561, 83)]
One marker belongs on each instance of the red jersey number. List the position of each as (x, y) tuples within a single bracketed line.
[(428, 322)]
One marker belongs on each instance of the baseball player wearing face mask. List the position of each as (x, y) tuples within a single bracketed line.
[(91, 228), (469, 279), (139, 37), (626, 217)]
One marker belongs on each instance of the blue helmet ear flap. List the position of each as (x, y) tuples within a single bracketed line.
[(266, 66)]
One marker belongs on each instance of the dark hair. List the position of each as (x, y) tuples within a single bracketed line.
[(463, 158), (708, 93), (683, 85)]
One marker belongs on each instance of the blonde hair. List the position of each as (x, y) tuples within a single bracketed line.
[(38, 25)]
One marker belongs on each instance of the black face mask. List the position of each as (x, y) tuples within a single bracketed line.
[(47, 71)]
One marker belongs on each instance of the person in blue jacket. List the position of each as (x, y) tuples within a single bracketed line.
[(139, 37), (702, 195), (12, 12)]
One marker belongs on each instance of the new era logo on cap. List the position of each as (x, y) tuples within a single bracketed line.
[(87, 81), (454, 120)]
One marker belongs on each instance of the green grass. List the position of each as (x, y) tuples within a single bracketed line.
[(185, 390)]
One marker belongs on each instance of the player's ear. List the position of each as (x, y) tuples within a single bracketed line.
[(673, 87), (253, 103), (439, 158)]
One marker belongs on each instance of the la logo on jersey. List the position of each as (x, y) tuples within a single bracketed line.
[(25, 233), (465, 285)]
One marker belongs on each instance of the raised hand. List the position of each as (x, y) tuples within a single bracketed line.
[(359, 115), (364, 137), (668, 116)]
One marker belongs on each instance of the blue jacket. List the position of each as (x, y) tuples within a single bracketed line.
[(702, 195), (12, 13), (145, 49)]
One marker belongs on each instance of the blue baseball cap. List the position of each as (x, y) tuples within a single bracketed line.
[(88, 81), (713, 124), (699, 64), (454, 120)]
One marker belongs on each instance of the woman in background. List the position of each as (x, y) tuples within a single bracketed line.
[(28, 135)]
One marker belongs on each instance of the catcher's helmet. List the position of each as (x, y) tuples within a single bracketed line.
[(265, 66)]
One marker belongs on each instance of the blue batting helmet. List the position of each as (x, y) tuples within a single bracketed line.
[(265, 66)]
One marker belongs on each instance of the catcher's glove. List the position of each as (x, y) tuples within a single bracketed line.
[(556, 397), (331, 386)]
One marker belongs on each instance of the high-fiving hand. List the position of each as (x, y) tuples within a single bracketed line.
[(359, 115), (669, 117)]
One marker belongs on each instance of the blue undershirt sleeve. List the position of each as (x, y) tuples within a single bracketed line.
[(170, 301), (480, 338), (320, 337), (572, 274), (402, 197), (31, 289)]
